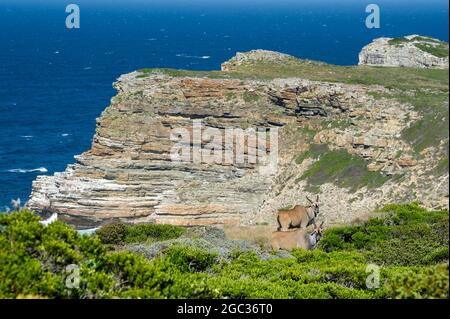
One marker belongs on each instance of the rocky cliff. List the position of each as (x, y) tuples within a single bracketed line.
[(344, 141), (410, 51)]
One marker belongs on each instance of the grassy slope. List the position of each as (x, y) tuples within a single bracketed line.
[(390, 77), (340, 167)]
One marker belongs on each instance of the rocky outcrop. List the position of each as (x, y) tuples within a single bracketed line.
[(253, 56), (410, 51), (131, 173)]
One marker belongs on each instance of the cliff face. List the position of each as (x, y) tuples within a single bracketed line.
[(129, 172)]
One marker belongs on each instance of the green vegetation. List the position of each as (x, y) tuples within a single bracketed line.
[(182, 73), (118, 233), (408, 236), (440, 50), (34, 260), (430, 45), (191, 273), (426, 39), (339, 167), (315, 150), (397, 41), (391, 77)]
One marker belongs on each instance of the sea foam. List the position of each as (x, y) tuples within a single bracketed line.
[(22, 170)]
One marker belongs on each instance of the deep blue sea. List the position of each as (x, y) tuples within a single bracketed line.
[(55, 81)]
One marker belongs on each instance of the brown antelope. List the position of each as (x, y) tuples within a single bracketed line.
[(299, 216), (298, 238)]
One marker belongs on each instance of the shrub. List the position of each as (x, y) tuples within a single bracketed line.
[(329, 291), (118, 233), (156, 232), (408, 235), (189, 259), (421, 283), (440, 254), (401, 252), (112, 233)]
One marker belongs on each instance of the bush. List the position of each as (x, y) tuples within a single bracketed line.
[(33, 258), (189, 259), (113, 233), (156, 232), (329, 291), (401, 252), (421, 283), (438, 255), (409, 235), (118, 233)]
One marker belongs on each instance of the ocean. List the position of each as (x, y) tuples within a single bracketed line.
[(54, 81)]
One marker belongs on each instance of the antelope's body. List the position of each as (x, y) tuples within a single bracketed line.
[(299, 216), (298, 238)]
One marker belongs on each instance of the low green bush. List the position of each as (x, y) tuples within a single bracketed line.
[(420, 283), (113, 233), (408, 235), (189, 259), (157, 232), (118, 233)]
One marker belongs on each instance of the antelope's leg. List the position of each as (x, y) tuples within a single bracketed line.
[(303, 224), (280, 226)]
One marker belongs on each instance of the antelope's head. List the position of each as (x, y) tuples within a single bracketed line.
[(314, 205), (317, 231)]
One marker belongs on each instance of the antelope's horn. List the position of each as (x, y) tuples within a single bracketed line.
[(309, 199)]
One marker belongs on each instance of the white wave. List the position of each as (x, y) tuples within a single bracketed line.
[(50, 220), (64, 134), (56, 52), (26, 136), (182, 55), (22, 170), (87, 68)]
